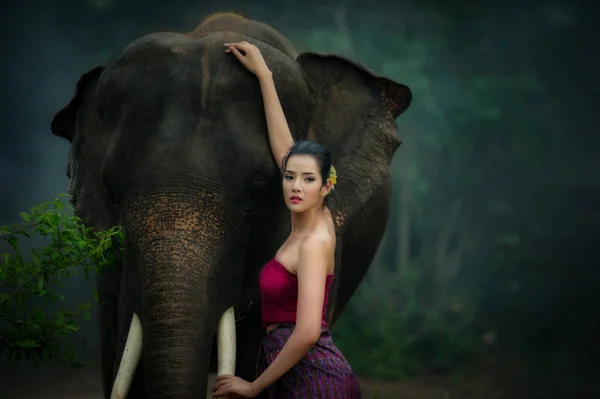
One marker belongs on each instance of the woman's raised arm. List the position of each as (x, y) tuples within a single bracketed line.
[(280, 137)]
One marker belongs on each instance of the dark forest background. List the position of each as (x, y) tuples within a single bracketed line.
[(488, 278)]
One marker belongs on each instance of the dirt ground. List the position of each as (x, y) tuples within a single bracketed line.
[(80, 385)]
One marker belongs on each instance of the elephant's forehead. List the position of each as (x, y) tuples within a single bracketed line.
[(188, 70)]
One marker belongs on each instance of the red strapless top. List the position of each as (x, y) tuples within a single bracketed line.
[(279, 294)]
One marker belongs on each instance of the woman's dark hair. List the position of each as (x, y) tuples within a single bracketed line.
[(318, 151)]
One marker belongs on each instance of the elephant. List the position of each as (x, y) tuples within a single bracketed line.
[(168, 140)]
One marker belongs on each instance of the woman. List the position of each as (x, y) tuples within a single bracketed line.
[(297, 358)]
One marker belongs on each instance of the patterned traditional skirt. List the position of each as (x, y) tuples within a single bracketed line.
[(323, 373)]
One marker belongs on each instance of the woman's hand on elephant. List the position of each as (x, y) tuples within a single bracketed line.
[(252, 59), (227, 385)]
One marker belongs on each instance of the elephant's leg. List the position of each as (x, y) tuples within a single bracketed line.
[(360, 243), (107, 285)]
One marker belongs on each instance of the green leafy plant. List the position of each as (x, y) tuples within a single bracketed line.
[(29, 282)]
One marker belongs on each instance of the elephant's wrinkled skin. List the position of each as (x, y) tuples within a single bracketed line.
[(169, 140)]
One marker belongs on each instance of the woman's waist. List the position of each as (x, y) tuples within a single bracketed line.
[(277, 335), (272, 326), (288, 327)]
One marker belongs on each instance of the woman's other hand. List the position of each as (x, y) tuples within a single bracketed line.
[(228, 385)]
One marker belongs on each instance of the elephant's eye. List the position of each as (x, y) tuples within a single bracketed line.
[(255, 195)]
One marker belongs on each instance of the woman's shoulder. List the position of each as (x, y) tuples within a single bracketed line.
[(321, 241), (317, 250)]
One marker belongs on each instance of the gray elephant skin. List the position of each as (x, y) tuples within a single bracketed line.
[(169, 140)]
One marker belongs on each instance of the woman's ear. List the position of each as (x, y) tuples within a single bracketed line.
[(326, 189)]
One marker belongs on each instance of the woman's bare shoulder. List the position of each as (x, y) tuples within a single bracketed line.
[(318, 239), (320, 242)]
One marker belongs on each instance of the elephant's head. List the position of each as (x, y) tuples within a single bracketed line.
[(169, 140)]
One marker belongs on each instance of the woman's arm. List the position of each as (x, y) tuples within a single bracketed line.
[(280, 136), (312, 272)]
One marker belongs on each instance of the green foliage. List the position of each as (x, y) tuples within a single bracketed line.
[(27, 283), (389, 331)]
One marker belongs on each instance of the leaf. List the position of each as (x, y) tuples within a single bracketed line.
[(14, 242), (55, 219), (72, 327), (36, 260), (28, 343), (60, 317)]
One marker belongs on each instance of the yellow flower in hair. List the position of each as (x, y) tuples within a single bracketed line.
[(332, 176)]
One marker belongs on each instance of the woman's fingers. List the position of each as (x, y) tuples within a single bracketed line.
[(234, 49), (222, 380), (239, 56), (222, 390), (219, 390), (239, 45), (248, 54), (244, 46)]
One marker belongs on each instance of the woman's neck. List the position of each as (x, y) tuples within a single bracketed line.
[(306, 221)]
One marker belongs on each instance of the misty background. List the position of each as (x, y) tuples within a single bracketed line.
[(487, 282)]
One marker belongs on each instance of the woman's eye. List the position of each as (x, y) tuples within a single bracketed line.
[(310, 179), (288, 177)]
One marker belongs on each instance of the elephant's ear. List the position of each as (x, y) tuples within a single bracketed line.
[(63, 123), (353, 113)]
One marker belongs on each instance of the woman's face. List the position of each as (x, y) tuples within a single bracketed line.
[(302, 183)]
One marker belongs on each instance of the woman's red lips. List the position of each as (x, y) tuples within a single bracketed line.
[(295, 199)]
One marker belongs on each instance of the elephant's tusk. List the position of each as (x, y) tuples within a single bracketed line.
[(129, 360), (226, 343)]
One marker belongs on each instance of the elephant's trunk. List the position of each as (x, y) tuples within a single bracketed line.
[(175, 250)]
